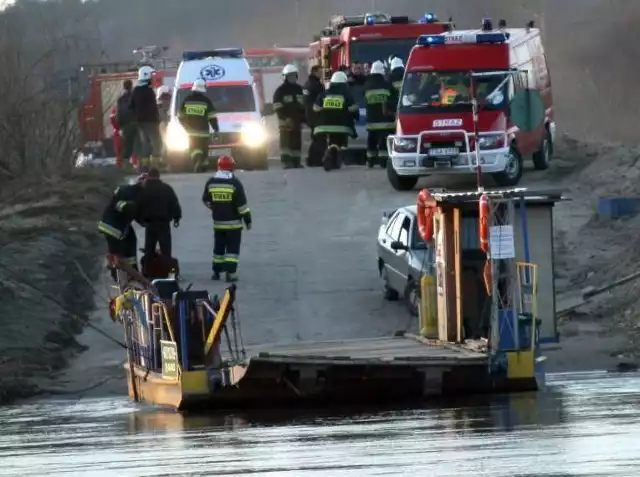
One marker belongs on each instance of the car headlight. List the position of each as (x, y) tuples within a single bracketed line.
[(176, 137), (253, 135), (491, 142), (405, 145)]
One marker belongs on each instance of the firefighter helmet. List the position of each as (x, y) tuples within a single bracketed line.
[(396, 63), (339, 77), (289, 70), (199, 85), (144, 73), (226, 163), (377, 68)]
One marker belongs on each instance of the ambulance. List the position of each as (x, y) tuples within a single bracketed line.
[(473, 97), (235, 96)]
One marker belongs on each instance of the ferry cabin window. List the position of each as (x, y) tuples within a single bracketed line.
[(368, 51), (226, 99), (450, 91)]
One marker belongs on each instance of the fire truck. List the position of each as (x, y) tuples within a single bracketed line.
[(105, 86), (367, 38)]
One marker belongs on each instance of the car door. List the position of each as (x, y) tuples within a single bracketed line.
[(396, 262)]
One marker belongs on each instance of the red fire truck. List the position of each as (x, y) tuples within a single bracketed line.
[(473, 97), (267, 64), (105, 86)]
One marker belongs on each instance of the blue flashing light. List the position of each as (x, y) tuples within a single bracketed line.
[(370, 20), (487, 38), (430, 18), (428, 40), (217, 53)]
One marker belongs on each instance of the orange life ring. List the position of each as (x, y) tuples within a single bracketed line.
[(483, 226), (426, 209), (487, 278)]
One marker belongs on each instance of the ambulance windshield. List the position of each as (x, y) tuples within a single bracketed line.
[(226, 99), (368, 51), (451, 91)]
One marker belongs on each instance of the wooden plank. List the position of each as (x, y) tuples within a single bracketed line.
[(457, 253)]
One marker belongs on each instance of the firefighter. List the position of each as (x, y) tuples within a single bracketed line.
[(336, 111), (396, 73), (378, 93), (197, 114), (311, 89), (224, 195), (115, 224), (145, 111), (288, 103), (158, 206), (126, 122)]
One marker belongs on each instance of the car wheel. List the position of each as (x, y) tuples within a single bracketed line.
[(542, 157), (400, 183), (412, 298), (513, 170), (389, 293)]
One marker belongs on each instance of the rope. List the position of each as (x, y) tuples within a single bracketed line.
[(18, 278)]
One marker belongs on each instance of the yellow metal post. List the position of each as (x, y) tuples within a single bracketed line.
[(428, 307)]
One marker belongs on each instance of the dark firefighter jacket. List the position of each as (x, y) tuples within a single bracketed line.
[(395, 78), (120, 211), (158, 203), (143, 104), (311, 90), (336, 111), (377, 94), (288, 103), (197, 113), (225, 196)]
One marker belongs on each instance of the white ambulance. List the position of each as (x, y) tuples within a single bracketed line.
[(234, 94)]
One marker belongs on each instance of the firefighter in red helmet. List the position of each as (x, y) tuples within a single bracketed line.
[(224, 195)]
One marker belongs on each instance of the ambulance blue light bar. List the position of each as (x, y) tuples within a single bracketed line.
[(429, 18), (217, 53), (463, 38)]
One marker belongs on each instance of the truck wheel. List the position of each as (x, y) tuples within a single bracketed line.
[(513, 170), (400, 183), (542, 157)]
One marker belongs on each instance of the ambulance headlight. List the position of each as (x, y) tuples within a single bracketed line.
[(253, 135), (176, 138)]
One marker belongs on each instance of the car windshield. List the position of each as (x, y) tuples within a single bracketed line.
[(226, 99), (368, 51), (451, 91)]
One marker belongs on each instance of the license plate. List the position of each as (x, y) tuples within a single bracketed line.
[(219, 152), (444, 151)]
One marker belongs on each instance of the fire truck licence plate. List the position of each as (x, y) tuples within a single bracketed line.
[(444, 152), (220, 152)]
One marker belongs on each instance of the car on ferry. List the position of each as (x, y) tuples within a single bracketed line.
[(403, 257), (473, 97), (234, 93)]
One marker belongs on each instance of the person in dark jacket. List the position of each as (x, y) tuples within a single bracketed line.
[(356, 74), (311, 90), (336, 111), (288, 103), (126, 121), (378, 94), (158, 207), (115, 223), (396, 73), (224, 195), (197, 114), (145, 112)]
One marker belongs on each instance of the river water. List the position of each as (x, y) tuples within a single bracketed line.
[(583, 425)]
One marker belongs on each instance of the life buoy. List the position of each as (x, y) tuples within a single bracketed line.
[(483, 226), (426, 209)]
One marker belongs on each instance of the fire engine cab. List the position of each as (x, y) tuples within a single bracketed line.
[(473, 97)]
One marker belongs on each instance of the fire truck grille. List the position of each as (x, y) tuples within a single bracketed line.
[(224, 138), (426, 145)]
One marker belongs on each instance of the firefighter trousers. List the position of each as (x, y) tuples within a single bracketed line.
[(226, 250), (377, 146), (335, 145), (157, 233), (290, 146), (317, 148), (149, 145), (126, 248)]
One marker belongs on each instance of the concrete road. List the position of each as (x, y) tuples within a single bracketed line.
[(308, 266)]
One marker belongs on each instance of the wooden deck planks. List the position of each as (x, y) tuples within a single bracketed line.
[(374, 349)]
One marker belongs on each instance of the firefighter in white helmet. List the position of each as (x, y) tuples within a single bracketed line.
[(378, 94), (197, 114), (288, 103), (147, 118), (396, 72), (336, 111)]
